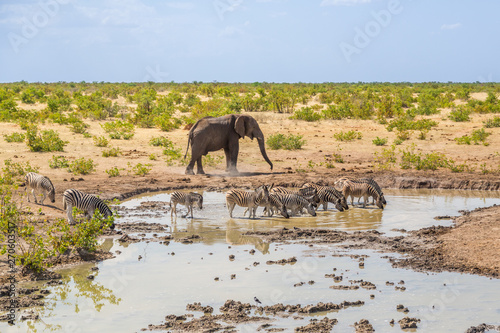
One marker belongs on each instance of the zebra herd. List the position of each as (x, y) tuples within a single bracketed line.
[(71, 197), (274, 199), (308, 197)]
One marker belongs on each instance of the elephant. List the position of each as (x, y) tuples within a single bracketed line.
[(211, 134)]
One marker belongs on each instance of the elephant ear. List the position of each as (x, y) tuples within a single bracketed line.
[(239, 126)]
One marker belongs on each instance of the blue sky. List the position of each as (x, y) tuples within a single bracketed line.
[(249, 40)]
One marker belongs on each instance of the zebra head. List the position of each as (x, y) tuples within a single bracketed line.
[(198, 198), (310, 209), (283, 211), (338, 205), (379, 203)]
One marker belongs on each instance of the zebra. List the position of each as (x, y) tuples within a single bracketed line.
[(275, 203), (370, 181), (310, 193), (247, 199), (328, 194), (358, 189), (86, 202), (41, 183), (186, 199), (295, 203)]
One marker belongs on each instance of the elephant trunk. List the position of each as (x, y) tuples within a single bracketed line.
[(262, 147)]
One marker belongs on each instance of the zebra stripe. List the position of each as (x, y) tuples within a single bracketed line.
[(37, 182), (247, 199), (276, 204), (86, 202), (185, 199), (295, 203), (328, 194), (365, 190)]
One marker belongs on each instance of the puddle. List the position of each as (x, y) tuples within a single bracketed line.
[(127, 294)]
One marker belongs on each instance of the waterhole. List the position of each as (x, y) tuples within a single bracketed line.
[(148, 280)]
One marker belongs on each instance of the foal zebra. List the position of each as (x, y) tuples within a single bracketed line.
[(86, 202), (295, 203), (35, 181), (186, 199), (247, 199), (359, 189), (328, 194)]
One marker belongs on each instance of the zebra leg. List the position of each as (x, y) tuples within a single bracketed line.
[(69, 213), (325, 205), (365, 197), (190, 208), (230, 207), (34, 196), (43, 197), (245, 212), (174, 210), (27, 193)]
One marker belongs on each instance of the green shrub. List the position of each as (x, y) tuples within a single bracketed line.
[(290, 142), (153, 157), (112, 152), (82, 166), (47, 141), (160, 141), (337, 112), (379, 141), (494, 122), (58, 162), (460, 114), (406, 123), (208, 160), (14, 137), (119, 129), (167, 123), (140, 169), (101, 141), (113, 172), (307, 114), (430, 161), (386, 159), (78, 126), (477, 136), (348, 136)]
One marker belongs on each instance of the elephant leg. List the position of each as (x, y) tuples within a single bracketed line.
[(233, 149), (228, 159), (189, 168), (199, 166)]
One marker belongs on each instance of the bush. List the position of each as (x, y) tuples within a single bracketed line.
[(82, 166), (477, 136), (460, 114), (347, 136), (113, 172), (78, 126), (14, 137), (47, 141), (386, 159), (290, 142), (379, 141), (13, 170), (113, 152), (306, 114), (57, 162), (101, 141), (119, 129), (140, 169), (160, 141), (494, 122)]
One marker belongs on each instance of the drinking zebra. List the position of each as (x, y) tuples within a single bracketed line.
[(370, 181), (37, 182), (359, 189), (295, 203), (186, 199), (247, 199), (86, 202), (328, 194), (309, 193)]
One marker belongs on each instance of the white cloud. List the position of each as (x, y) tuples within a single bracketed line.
[(343, 2), (230, 31), (180, 5), (451, 26)]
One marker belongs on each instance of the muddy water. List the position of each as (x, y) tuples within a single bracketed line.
[(128, 293)]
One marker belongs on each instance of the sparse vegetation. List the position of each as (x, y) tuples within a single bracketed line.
[(139, 169), (58, 162), (379, 141), (119, 129), (46, 141), (101, 141), (476, 137), (287, 142), (82, 166), (14, 137), (348, 136), (112, 152)]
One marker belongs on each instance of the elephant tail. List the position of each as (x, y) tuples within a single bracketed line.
[(189, 141)]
